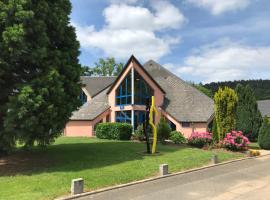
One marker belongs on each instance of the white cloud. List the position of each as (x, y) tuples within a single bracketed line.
[(225, 60), (123, 1), (133, 30), (220, 6)]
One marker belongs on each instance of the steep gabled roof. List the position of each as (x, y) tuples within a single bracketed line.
[(182, 101), (264, 107), (132, 58), (90, 110), (95, 85)]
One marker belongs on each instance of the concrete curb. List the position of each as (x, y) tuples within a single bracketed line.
[(156, 178)]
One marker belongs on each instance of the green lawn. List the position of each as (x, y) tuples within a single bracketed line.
[(46, 174)]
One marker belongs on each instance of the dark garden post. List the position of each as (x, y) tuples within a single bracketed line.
[(146, 125)]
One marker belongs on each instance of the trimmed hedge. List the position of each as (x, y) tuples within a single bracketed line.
[(114, 131)]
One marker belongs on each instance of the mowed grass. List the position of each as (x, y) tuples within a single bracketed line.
[(46, 174)]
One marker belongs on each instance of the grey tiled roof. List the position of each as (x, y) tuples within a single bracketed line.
[(94, 85), (264, 107), (90, 110), (184, 102)]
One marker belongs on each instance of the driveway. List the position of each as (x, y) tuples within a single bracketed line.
[(245, 180)]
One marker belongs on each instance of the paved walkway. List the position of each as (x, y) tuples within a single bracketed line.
[(245, 180)]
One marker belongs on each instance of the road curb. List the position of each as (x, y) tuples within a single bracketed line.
[(156, 178)]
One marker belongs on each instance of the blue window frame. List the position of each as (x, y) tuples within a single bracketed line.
[(123, 116), (123, 93), (83, 97)]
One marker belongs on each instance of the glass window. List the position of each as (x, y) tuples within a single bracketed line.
[(123, 116), (123, 92), (185, 124), (142, 90)]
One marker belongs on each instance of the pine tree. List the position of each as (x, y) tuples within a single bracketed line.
[(264, 135), (45, 67), (225, 111), (248, 116)]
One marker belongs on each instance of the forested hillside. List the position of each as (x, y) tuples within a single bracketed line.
[(261, 87)]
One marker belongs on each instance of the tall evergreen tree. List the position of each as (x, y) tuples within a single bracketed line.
[(14, 17), (248, 116), (45, 69), (225, 111), (264, 135)]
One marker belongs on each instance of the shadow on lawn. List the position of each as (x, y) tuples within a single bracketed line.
[(73, 157)]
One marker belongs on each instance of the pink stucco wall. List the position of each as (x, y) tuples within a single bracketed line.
[(76, 128), (186, 131)]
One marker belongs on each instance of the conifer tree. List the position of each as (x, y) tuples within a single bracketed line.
[(225, 110), (248, 116), (264, 135), (41, 52)]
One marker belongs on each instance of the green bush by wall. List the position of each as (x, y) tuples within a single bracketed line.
[(114, 131), (177, 137)]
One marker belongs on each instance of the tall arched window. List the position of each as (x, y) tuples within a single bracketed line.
[(123, 92)]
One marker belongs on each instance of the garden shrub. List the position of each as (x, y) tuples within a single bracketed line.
[(114, 131), (177, 137), (264, 135), (139, 133), (200, 139), (163, 129), (235, 141)]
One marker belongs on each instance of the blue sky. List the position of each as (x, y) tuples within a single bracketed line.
[(199, 40)]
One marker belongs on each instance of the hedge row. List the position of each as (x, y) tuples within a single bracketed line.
[(114, 131)]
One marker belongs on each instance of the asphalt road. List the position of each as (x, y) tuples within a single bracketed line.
[(245, 180)]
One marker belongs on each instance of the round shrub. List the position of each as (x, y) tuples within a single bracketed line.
[(139, 133), (235, 141), (114, 131), (177, 137), (264, 135), (200, 139), (163, 129)]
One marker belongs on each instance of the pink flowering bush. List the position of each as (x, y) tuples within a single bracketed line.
[(200, 139), (235, 141)]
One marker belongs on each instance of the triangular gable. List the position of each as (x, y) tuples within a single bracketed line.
[(132, 58)]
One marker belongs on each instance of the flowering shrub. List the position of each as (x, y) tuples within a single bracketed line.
[(200, 139), (235, 141)]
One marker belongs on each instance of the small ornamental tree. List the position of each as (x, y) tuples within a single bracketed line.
[(163, 129), (264, 135), (225, 111), (248, 116)]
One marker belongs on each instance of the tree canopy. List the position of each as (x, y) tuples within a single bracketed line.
[(39, 70), (105, 67), (261, 88)]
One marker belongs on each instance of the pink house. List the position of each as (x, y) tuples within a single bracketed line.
[(123, 99)]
